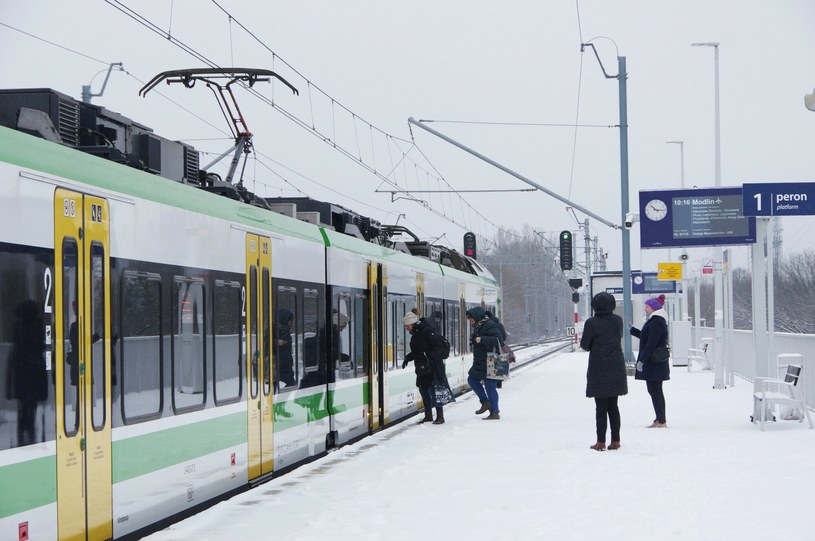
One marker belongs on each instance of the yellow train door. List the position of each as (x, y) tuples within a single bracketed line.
[(375, 417), (384, 345), (83, 382), (259, 370)]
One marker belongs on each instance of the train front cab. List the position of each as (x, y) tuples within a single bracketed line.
[(82, 353)]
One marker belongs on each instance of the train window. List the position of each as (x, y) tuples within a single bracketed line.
[(392, 322), (189, 371), (362, 333), (455, 327), (70, 297), (311, 345), (286, 333), (265, 295), (226, 341), (141, 346), (99, 336), (435, 316), (345, 362), (253, 313), (399, 338)]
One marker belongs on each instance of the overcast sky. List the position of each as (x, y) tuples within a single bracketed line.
[(475, 62)]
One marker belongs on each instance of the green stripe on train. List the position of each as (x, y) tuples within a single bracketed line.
[(147, 453), (34, 481), (34, 484)]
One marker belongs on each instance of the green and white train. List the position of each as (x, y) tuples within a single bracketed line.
[(140, 371)]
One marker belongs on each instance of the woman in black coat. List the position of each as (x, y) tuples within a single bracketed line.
[(654, 334), (605, 378), (425, 352), (486, 337)]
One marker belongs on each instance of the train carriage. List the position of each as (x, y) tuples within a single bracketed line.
[(190, 345)]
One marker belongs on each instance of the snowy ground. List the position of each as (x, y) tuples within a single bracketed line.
[(711, 475)]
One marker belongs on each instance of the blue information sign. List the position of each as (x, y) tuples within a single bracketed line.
[(779, 199), (699, 217), (648, 283)]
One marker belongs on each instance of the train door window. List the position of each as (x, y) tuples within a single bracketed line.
[(392, 332), (311, 339), (410, 304), (400, 334), (455, 327), (254, 312), (467, 346), (436, 316), (141, 346), (70, 298), (226, 341), (344, 358), (265, 307), (361, 328), (286, 333), (188, 344), (98, 350)]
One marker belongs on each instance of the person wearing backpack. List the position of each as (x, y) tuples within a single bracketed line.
[(486, 337), (500, 325), (427, 355)]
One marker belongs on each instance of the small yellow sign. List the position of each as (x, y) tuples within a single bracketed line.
[(669, 271)]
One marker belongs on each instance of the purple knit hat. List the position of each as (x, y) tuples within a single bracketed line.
[(654, 302)]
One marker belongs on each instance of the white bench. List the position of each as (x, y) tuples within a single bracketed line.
[(700, 355), (779, 392)]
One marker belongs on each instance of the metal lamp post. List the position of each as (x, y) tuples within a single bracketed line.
[(681, 159), (622, 76), (718, 289), (683, 298)]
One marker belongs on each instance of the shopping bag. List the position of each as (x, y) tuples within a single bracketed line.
[(442, 394), (497, 366), (509, 353)]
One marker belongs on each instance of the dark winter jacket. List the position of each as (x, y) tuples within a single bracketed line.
[(490, 335), (425, 352), (654, 334), (602, 335)]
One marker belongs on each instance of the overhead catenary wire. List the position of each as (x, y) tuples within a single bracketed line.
[(358, 158), (465, 210), (293, 117)]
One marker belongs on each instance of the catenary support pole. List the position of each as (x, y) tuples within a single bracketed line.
[(509, 171), (628, 312)]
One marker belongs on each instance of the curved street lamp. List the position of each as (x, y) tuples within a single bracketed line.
[(809, 100)]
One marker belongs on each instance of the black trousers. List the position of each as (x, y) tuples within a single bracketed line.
[(606, 409), (658, 399)]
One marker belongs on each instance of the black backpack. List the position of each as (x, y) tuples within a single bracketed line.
[(443, 345)]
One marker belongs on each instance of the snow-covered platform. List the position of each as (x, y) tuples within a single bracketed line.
[(711, 475)]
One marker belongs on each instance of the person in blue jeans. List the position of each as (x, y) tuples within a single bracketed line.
[(486, 337)]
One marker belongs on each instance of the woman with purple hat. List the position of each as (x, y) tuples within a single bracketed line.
[(654, 369)]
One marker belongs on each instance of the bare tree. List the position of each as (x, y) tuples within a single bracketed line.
[(537, 297), (794, 296)]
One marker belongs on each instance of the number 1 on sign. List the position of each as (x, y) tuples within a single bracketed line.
[(757, 197)]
